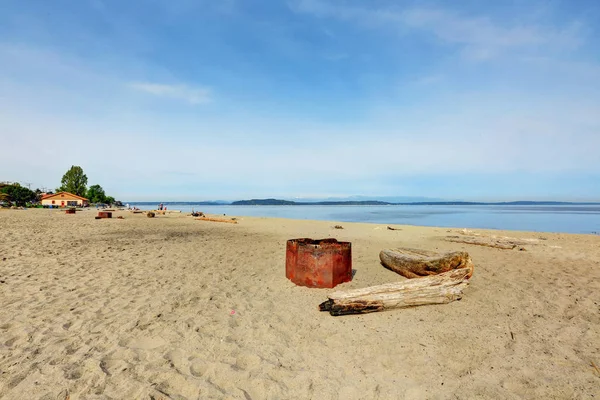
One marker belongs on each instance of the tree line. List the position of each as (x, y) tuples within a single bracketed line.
[(73, 181)]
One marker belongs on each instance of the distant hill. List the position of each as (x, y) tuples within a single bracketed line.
[(383, 199), (264, 202)]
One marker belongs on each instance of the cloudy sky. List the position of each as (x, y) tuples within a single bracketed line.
[(229, 99)]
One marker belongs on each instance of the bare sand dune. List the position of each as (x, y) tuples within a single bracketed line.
[(174, 308)]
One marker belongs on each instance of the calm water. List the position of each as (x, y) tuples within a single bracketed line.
[(568, 218)]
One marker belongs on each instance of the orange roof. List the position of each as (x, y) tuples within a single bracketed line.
[(48, 196)]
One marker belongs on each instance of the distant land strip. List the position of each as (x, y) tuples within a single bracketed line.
[(278, 202)]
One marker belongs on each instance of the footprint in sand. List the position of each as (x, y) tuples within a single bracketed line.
[(199, 367), (113, 366)]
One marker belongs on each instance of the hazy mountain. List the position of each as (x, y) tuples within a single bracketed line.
[(385, 199)]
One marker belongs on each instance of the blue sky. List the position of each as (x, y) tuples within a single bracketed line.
[(191, 100)]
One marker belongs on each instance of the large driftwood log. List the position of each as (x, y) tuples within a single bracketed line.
[(413, 263), (499, 243), (436, 289), (229, 221)]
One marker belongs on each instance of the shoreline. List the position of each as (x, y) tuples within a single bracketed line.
[(184, 214), (569, 219), (136, 307)]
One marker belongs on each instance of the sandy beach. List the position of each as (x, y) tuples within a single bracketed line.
[(175, 308)]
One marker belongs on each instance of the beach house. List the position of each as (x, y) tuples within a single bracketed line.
[(64, 199)]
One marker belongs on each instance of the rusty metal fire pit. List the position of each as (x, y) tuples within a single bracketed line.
[(70, 211), (322, 263), (104, 214)]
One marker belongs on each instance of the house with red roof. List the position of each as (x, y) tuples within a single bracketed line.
[(64, 199)]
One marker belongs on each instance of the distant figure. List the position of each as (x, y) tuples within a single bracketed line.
[(165, 208)]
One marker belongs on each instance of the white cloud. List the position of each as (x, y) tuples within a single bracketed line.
[(193, 95), (481, 37)]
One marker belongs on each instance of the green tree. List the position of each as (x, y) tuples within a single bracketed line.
[(74, 181), (96, 194), (109, 200), (17, 194), (38, 195)]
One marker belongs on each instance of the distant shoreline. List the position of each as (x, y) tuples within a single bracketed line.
[(276, 202)]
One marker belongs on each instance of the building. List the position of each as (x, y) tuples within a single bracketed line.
[(64, 199)]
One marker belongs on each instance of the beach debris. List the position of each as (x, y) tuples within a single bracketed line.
[(150, 214), (338, 227), (595, 367), (70, 211), (496, 242), (104, 214), (120, 217), (500, 242), (322, 263), (197, 214), (64, 395), (230, 221), (436, 289), (393, 229), (415, 263)]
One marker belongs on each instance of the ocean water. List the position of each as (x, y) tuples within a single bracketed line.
[(559, 218)]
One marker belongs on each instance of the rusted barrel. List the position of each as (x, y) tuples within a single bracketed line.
[(323, 263), (105, 214)]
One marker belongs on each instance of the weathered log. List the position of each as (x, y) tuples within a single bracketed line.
[(498, 243), (150, 214), (230, 221), (436, 289), (414, 263)]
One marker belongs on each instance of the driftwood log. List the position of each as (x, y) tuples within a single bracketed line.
[(498, 243), (413, 263), (230, 221), (436, 289)]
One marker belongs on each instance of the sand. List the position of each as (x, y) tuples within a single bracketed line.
[(175, 308)]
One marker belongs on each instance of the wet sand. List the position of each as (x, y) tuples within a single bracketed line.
[(175, 308)]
